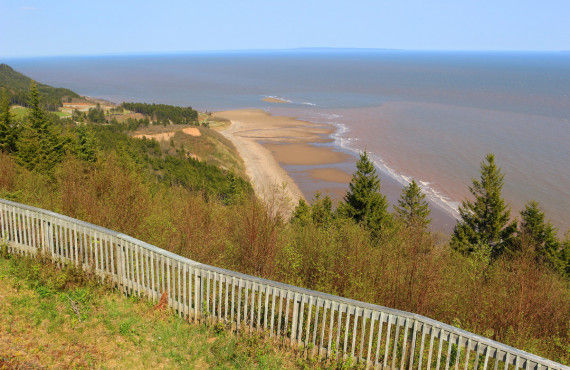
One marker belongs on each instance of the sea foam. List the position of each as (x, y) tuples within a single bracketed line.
[(348, 144)]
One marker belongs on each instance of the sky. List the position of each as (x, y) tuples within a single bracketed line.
[(80, 27)]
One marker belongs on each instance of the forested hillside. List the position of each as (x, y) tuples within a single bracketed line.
[(498, 277), (163, 113), (17, 86)]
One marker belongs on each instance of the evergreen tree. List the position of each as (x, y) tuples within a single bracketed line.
[(321, 210), (541, 234), (78, 116), (36, 117), (8, 128), (364, 202), (96, 115), (302, 213), (485, 221), (413, 207), (39, 147), (85, 144), (565, 253)]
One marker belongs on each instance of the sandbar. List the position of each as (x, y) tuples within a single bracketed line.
[(306, 154), (272, 99), (265, 142), (330, 175)]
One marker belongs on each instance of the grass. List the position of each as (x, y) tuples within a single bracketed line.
[(61, 318), (19, 112), (62, 114), (217, 123), (214, 148)]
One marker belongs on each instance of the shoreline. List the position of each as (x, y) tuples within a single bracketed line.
[(262, 141), (299, 157), (433, 195)]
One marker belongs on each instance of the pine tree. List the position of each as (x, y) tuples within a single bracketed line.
[(85, 144), (541, 234), (485, 221), (36, 117), (302, 213), (8, 128), (40, 148), (321, 210), (565, 253), (364, 202), (413, 207)]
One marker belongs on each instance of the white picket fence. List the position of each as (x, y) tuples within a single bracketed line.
[(322, 325)]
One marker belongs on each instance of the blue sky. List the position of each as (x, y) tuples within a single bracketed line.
[(78, 27)]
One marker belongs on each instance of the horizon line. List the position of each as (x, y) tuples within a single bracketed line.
[(260, 50)]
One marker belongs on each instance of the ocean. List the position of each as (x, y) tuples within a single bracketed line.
[(431, 116)]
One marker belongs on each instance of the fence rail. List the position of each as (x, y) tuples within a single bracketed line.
[(321, 324)]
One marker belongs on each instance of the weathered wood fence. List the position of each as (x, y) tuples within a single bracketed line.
[(323, 325)]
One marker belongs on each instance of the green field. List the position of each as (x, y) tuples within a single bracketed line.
[(63, 114), (19, 112)]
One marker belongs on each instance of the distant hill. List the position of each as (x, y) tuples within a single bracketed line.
[(18, 85)]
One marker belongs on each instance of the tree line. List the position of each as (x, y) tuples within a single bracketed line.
[(165, 114), (485, 227)]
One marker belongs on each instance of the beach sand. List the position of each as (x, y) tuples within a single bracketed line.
[(330, 175), (269, 143), (306, 155), (265, 142)]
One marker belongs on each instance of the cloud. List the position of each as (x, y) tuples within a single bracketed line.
[(28, 8)]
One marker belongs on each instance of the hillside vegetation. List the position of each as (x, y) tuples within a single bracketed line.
[(502, 279), (17, 86), (163, 113)]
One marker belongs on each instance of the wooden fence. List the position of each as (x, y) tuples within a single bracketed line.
[(322, 325)]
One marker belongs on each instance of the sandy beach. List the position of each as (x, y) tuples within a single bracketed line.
[(271, 144), (265, 142)]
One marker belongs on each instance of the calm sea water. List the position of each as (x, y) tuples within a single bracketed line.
[(427, 115)]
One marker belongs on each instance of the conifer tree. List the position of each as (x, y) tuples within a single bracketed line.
[(542, 235), (39, 147), (85, 144), (321, 210), (302, 213), (485, 221), (364, 202), (412, 207), (36, 117), (8, 128), (565, 253)]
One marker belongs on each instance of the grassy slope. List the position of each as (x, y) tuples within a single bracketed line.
[(210, 147), (55, 318)]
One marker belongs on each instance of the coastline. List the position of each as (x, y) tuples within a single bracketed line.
[(266, 142), (288, 159)]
